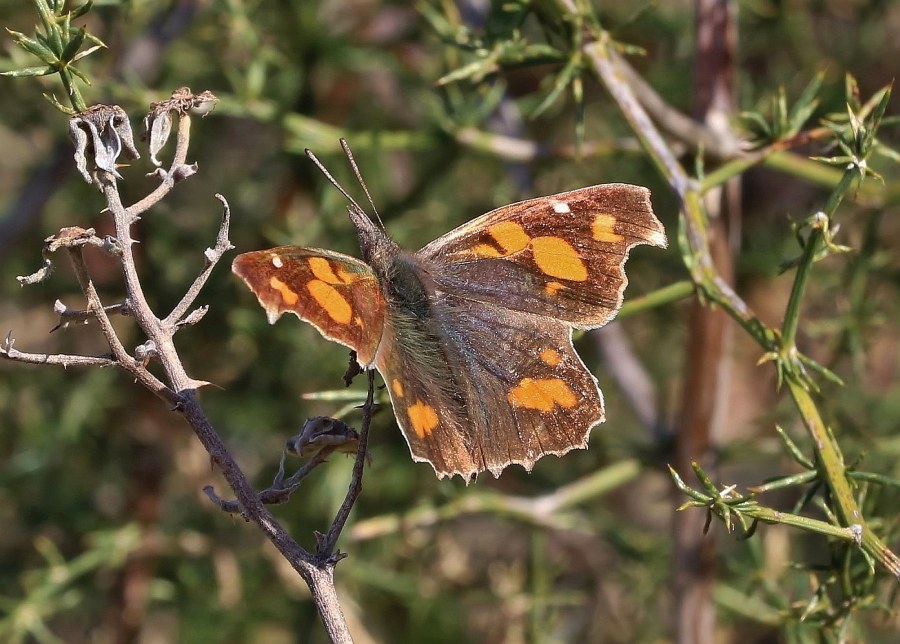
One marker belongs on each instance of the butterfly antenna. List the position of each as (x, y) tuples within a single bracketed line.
[(349, 154), (328, 176)]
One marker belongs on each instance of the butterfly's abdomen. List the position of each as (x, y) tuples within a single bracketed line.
[(418, 346)]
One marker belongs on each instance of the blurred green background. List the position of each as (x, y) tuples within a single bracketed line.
[(106, 534)]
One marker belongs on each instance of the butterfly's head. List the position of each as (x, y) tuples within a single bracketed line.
[(374, 244)]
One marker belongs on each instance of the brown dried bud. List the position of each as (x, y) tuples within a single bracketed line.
[(101, 133), (321, 432), (158, 123), (70, 237)]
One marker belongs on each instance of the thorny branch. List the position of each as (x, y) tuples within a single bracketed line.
[(101, 133), (212, 256), (326, 545), (68, 316), (7, 350)]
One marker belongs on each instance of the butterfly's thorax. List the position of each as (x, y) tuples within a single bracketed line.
[(408, 287), (401, 274)]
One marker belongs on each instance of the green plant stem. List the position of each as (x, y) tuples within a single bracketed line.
[(72, 90), (543, 511), (813, 172), (872, 477), (842, 188), (831, 465), (784, 482), (816, 236), (770, 515), (660, 297), (692, 235), (798, 289), (777, 155), (304, 132), (604, 59), (729, 170)]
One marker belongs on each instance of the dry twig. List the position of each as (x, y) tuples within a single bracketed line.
[(99, 133)]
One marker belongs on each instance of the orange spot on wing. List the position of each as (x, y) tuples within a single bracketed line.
[(486, 250), (337, 308), (558, 258), (510, 235), (321, 268), (604, 229), (552, 288), (551, 357), (541, 395), (397, 386), (423, 418), (287, 295)]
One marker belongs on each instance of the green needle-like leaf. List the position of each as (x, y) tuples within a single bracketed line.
[(29, 71)]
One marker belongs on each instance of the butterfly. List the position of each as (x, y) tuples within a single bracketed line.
[(472, 334)]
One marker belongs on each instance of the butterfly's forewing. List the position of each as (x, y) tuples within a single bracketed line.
[(560, 256), (337, 294)]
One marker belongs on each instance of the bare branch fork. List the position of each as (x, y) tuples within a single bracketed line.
[(101, 133)]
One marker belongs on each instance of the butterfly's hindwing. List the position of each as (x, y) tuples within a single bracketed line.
[(512, 390), (428, 405)]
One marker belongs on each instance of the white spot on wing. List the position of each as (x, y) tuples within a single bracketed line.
[(658, 239), (561, 208), (276, 261)]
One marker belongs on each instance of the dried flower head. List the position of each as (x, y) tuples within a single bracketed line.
[(158, 123), (101, 133)]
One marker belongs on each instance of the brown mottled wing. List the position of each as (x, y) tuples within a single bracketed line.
[(560, 256), (429, 409), (510, 389), (337, 294)]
